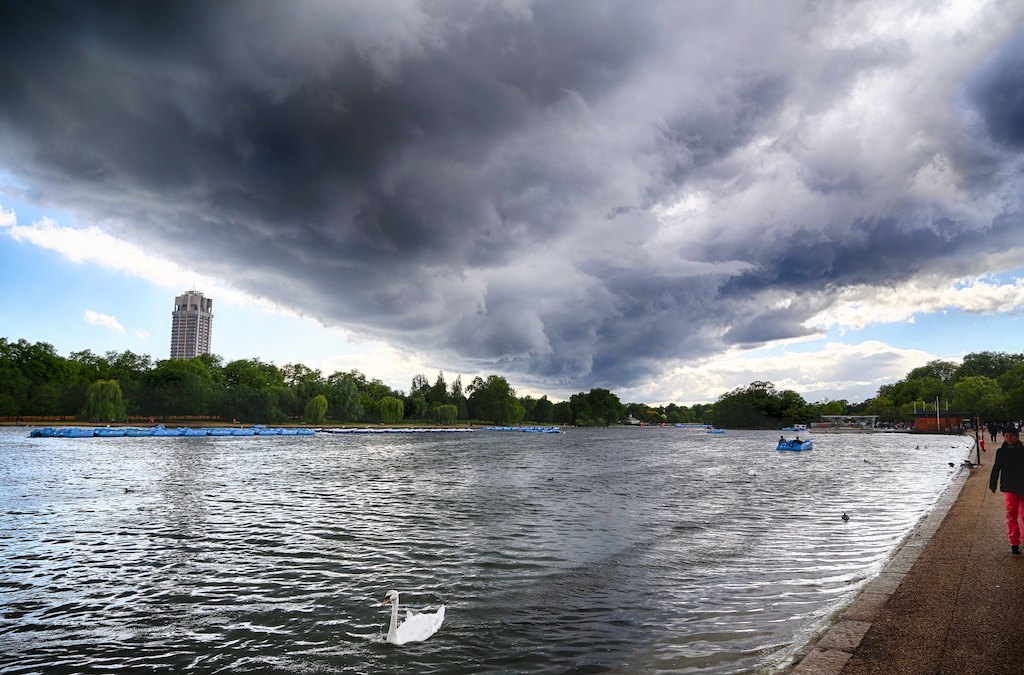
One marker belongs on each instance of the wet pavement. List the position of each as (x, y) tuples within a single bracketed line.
[(950, 601)]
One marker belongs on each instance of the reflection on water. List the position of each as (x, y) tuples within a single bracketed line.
[(617, 550)]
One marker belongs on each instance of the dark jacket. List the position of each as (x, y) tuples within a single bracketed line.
[(1009, 466)]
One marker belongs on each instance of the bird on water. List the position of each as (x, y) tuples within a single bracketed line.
[(416, 627), (845, 517)]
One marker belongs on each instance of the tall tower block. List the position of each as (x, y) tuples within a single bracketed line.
[(191, 325)]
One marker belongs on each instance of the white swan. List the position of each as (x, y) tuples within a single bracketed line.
[(416, 627)]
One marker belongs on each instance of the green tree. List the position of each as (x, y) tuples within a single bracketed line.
[(944, 371), (492, 399), (458, 398), (343, 398), (301, 384), (316, 410), (1011, 383), (438, 394), (529, 404), (178, 387), (419, 386), (884, 407), (561, 413), (756, 406), (989, 364), (543, 410), (14, 385), (391, 410), (446, 414), (129, 369), (104, 402), (371, 392), (416, 407), (253, 391), (980, 396), (580, 406), (605, 407)]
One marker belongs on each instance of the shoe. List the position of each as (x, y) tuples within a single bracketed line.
[(1015, 550)]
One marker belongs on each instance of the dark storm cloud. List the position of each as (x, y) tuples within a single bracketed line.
[(998, 91), (575, 193)]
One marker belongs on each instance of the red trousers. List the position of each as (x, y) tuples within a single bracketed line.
[(1014, 516)]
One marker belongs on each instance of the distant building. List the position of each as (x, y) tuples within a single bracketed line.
[(191, 325), (948, 422)]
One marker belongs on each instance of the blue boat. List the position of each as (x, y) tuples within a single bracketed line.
[(75, 432), (794, 444), (109, 432)]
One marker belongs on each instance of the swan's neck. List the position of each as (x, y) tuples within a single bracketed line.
[(393, 628)]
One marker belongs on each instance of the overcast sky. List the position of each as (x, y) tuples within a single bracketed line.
[(667, 199)]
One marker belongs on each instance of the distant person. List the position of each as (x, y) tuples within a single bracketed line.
[(992, 431), (1008, 470)]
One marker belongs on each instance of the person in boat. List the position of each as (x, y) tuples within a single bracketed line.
[(797, 440), (782, 439), (1008, 471)]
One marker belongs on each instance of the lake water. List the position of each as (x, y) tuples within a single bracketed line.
[(590, 551)]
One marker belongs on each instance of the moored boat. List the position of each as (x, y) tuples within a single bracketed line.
[(76, 432), (109, 432)]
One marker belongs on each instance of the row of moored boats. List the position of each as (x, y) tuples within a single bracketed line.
[(160, 430), (256, 430)]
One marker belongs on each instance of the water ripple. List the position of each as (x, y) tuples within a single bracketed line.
[(617, 550)]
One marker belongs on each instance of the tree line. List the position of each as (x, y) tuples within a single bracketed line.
[(36, 381), (986, 385)]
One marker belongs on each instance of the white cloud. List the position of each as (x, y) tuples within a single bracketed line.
[(836, 371), (93, 245), (862, 306), (141, 334), (104, 320)]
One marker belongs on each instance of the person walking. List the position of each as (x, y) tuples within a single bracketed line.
[(1008, 471)]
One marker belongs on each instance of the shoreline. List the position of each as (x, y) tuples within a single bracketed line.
[(828, 654), (831, 652)]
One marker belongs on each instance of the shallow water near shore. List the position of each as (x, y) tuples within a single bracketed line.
[(617, 550)]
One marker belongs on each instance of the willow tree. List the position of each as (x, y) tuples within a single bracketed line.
[(446, 414), (104, 402), (391, 410), (316, 410)]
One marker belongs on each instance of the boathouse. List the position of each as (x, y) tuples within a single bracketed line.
[(948, 422)]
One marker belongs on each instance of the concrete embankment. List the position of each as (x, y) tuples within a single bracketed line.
[(950, 601)]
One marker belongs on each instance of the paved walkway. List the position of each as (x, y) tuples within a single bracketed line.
[(951, 601)]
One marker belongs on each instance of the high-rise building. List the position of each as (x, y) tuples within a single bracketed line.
[(191, 325)]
